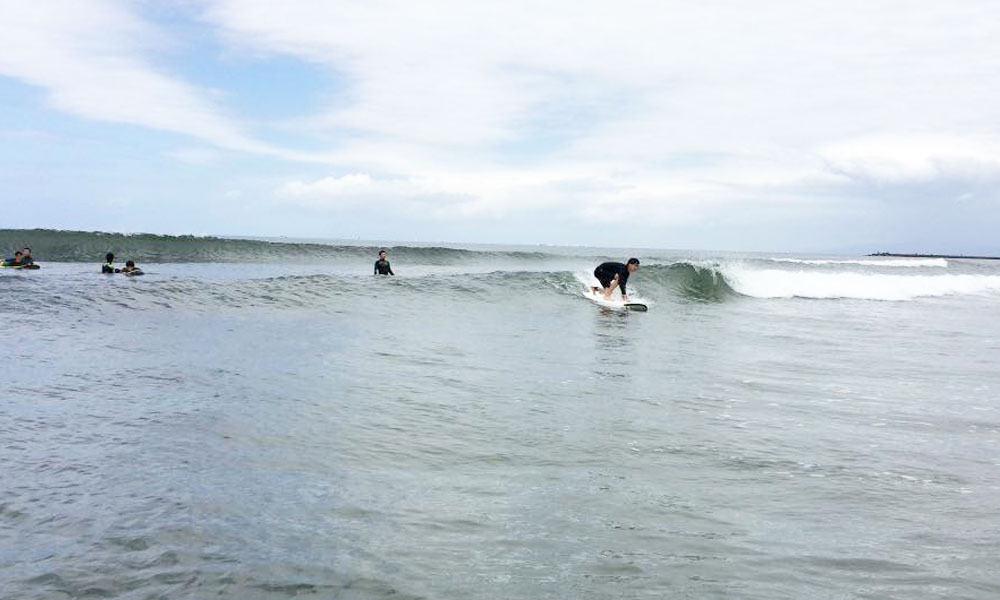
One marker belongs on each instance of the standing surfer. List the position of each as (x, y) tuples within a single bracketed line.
[(615, 274)]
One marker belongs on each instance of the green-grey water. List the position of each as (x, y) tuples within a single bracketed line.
[(285, 425)]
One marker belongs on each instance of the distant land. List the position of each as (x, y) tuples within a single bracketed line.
[(935, 256)]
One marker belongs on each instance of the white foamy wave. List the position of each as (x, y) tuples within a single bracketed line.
[(589, 281), (774, 283), (907, 262)]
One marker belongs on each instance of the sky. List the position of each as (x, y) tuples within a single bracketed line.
[(796, 126)]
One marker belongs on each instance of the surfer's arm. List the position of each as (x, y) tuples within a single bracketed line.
[(388, 266), (621, 284)]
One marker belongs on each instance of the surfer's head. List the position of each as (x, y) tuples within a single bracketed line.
[(130, 263), (381, 254), (632, 265), (109, 257), (27, 252)]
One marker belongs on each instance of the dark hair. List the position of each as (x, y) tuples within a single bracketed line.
[(633, 261), (17, 252), (129, 263), (110, 256), (27, 248)]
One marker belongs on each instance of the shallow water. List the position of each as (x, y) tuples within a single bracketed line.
[(474, 428)]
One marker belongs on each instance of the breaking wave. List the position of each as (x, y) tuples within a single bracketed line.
[(465, 275), (718, 281), (685, 282), (906, 262), (779, 283)]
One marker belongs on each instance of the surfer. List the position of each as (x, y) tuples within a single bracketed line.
[(17, 261), (131, 269), (382, 265), (26, 258), (109, 264), (615, 274)]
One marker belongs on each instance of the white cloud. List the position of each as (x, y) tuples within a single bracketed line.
[(89, 57), (411, 197), (642, 111), (915, 158), (351, 184), (194, 156), (673, 104)]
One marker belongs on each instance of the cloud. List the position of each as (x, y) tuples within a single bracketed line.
[(904, 159), (90, 58), (675, 106), (194, 156), (411, 197), (575, 195), (351, 184), (649, 113)]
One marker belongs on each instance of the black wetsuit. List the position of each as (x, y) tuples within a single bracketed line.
[(109, 268), (605, 273), (382, 267)]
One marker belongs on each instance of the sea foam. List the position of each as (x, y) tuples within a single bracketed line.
[(777, 283)]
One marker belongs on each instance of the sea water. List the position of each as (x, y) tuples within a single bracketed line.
[(252, 420)]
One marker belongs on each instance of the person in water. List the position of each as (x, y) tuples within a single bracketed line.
[(130, 268), (26, 258), (14, 262), (382, 265), (615, 274), (109, 264)]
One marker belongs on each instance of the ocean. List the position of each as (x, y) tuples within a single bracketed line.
[(259, 420)]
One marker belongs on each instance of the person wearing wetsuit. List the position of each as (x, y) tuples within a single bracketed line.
[(14, 262), (615, 274), (131, 269), (109, 265), (26, 258), (382, 265)]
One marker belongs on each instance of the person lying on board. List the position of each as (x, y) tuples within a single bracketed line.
[(109, 264), (14, 262), (615, 274), (131, 269), (382, 265)]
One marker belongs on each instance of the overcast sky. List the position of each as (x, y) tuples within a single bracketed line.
[(842, 126)]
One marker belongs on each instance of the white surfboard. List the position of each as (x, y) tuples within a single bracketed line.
[(615, 302)]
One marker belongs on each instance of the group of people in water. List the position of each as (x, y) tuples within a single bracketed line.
[(611, 275), (24, 260), (21, 258), (128, 269)]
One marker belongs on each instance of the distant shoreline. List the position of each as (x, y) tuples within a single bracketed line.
[(935, 256)]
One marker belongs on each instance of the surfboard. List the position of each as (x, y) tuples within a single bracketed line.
[(30, 267), (615, 303)]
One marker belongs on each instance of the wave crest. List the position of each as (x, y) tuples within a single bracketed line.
[(905, 262), (778, 283)]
